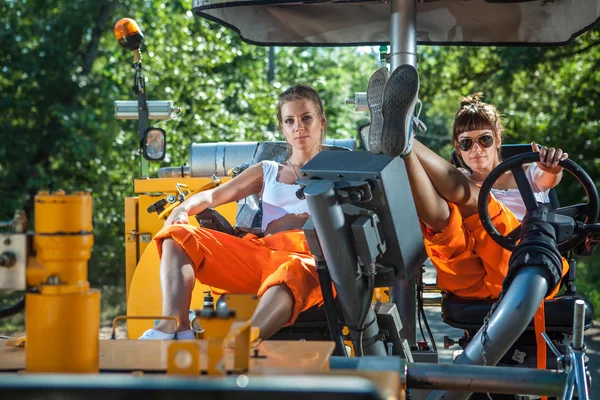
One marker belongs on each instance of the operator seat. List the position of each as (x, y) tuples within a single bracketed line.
[(468, 314)]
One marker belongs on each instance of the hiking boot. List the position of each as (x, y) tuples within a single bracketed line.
[(375, 102), (399, 100)]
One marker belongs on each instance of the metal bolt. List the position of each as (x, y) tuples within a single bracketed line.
[(52, 280), (7, 259)]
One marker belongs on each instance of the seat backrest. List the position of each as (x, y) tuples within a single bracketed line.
[(507, 151)]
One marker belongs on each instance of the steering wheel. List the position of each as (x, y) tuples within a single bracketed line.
[(515, 164)]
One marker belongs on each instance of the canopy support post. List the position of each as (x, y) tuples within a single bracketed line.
[(403, 41)]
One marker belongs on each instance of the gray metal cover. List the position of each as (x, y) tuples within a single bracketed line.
[(207, 159), (439, 22), (13, 277)]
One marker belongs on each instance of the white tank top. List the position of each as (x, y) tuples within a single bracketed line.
[(512, 199), (278, 199)]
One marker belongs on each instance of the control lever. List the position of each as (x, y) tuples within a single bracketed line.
[(573, 362), (560, 358)]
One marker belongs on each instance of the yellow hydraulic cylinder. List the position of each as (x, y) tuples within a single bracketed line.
[(63, 236), (62, 331), (63, 317)]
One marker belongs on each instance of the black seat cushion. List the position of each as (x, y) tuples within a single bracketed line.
[(314, 316), (469, 313), (310, 325)]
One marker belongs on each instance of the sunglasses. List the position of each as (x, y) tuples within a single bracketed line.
[(486, 141)]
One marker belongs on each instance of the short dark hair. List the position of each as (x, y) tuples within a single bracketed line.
[(474, 115)]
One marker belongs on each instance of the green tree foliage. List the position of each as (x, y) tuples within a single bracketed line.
[(61, 70)]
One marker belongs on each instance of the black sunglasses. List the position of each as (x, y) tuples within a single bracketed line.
[(486, 140)]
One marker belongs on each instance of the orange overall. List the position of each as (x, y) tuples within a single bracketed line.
[(470, 264), (250, 265)]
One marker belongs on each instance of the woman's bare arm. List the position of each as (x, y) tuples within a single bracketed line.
[(248, 182)]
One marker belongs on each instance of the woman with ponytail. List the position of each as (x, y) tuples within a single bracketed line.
[(277, 267)]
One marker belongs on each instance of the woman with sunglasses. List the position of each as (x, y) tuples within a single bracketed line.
[(477, 137), (468, 262)]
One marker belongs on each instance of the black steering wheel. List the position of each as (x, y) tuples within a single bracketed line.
[(515, 164)]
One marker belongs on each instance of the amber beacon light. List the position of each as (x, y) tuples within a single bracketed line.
[(128, 34)]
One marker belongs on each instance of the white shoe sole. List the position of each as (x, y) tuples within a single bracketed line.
[(399, 100)]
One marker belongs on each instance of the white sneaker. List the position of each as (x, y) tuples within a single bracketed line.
[(399, 101), (456, 354), (375, 102), (153, 334)]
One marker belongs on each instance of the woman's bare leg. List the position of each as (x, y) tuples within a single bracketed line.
[(177, 280), (447, 180), (273, 311), (432, 209)]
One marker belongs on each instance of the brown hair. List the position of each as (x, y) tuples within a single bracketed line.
[(302, 92), (474, 115)]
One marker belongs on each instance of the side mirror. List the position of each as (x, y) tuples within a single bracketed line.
[(154, 144)]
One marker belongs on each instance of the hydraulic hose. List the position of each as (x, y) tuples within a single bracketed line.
[(13, 309), (534, 270), (508, 322)]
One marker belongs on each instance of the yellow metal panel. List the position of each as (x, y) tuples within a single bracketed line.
[(131, 241), (167, 185), (184, 358), (148, 223), (280, 357)]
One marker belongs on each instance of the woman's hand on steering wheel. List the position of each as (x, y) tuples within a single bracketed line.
[(549, 158), (589, 210), (178, 216)]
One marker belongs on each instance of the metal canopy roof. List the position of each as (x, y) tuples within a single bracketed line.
[(367, 22)]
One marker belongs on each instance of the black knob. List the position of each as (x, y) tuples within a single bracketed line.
[(7, 259), (355, 195), (448, 342), (159, 206)]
